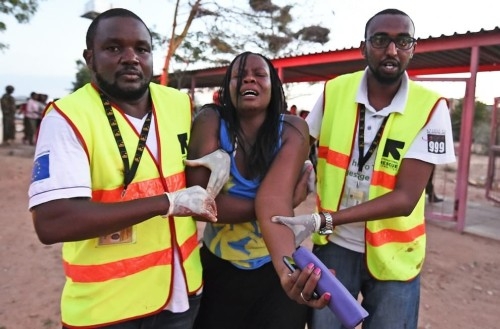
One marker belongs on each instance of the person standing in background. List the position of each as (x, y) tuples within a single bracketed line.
[(293, 110), (43, 101), (33, 116), (380, 136), (26, 122), (431, 193), (313, 151), (8, 104)]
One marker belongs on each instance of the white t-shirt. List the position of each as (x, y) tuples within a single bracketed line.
[(351, 235), (69, 177), (33, 109)]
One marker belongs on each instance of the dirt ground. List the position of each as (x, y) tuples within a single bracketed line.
[(460, 278)]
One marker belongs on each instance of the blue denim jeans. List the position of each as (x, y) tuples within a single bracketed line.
[(390, 304), (164, 319)]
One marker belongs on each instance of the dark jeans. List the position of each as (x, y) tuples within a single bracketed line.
[(163, 320), (28, 131), (390, 304), (234, 298), (429, 188)]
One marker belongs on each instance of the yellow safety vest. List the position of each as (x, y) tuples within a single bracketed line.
[(395, 247), (109, 282)]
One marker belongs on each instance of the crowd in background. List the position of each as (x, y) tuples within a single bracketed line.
[(31, 112)]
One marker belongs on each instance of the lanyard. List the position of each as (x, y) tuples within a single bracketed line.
[(363, 158), (129, 171)]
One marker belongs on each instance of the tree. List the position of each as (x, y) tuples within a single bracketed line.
[(211, 34), (82, 75), (222, 31), (481, 119), (22, 10), (176, 40)]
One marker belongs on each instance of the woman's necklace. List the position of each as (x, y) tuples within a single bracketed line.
[(235, 145)]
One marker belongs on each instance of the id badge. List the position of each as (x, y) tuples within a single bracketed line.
[(124, 236), (354, 197)]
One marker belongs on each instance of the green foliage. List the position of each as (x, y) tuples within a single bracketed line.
[(480, 133), (158, 39), (82, 75), (274, 28), (313, 33), (260, 26), (21, 10), (265, 6), (221, 32)]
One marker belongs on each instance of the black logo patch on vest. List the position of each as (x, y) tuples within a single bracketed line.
[(392, 147), (183, 142)]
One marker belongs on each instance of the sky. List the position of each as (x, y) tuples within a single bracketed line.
[(42, 54)]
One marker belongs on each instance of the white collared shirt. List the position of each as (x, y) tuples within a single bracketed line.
[(70, 178), (351, 235)]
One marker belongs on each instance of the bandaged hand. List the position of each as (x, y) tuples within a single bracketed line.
[(302, 226), (193, 201), (219, 163)]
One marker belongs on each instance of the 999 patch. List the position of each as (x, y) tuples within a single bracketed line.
[(436, 144)]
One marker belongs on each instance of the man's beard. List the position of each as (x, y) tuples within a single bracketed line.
[(386, 80), (114, 91)]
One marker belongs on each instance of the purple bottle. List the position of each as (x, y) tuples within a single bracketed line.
[(343, 305)]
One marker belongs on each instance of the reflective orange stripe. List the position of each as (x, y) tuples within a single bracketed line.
[(334, 158), (119, 269), (189, 246), (383, 179), (126, 267), (176, 181), (382, 237), (136, 190)]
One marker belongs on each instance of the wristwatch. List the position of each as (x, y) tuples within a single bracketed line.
[(328, 228)]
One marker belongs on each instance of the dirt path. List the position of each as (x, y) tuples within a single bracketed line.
[(460, 279)]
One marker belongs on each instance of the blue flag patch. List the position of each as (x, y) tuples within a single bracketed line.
[(40, 168)]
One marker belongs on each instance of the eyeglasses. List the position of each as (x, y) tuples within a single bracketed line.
[(383, 41)]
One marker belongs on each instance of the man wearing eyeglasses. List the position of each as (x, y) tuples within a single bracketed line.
[(380, 136)]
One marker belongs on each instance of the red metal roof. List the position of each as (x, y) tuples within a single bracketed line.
[(434, 55)]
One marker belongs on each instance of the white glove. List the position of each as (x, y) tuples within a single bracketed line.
[(219, 163), (193, 201), (302, 226)]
